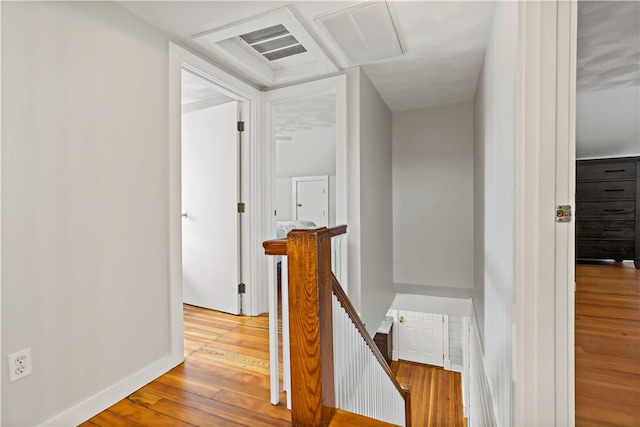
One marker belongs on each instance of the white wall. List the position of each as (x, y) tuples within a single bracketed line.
[(84, 202), (433, 196), (308, 153), (494, 206), (608, 123), (376, 221)]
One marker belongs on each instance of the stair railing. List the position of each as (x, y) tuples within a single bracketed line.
[(320, 379)]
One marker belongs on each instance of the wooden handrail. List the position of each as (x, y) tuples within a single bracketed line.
[(279, 246), (403, 389), (311, 284)]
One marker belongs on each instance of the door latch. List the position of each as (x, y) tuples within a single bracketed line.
[(563, 213), (401, 319)]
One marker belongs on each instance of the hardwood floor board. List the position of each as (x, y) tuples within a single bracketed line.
[(194, 416), (231, 379), (261, 354), (218, 408), (146, 416), (627, 395), (144, 398), (349, 419), (607, 413), (232, 361), (623, 379), (235, 360), (607, 327), (191, 385), (603, 361), (254, 404), (109, 418), (621, 346), (242, 337)]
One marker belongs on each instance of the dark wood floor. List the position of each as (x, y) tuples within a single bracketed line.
[(607, 345), (224, 381)]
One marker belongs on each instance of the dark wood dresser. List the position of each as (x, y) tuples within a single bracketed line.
[(608, 209)]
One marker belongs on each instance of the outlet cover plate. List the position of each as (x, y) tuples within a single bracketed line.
[(19, 364)]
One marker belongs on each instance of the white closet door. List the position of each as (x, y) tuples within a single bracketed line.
[(421, 337)]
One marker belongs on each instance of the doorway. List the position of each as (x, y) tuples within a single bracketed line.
[(224, 91), (210, 192)]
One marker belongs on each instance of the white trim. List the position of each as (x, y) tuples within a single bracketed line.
[(88, 408), (542, 342), (234, 88), (446, 361), (565, 195), (1, 353)]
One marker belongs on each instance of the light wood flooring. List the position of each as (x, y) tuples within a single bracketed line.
[(607, 345), (224, 381)]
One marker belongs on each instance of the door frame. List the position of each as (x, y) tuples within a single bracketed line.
[(250, 100), (294, 193), (544, 309)]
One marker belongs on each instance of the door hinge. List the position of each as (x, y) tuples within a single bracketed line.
[(563, 213), (240, 126), (242, 288), (240, 207)]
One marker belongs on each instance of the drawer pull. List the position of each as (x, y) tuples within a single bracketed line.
[(614, 189), (614, 229), (615, 170), (614, 210)]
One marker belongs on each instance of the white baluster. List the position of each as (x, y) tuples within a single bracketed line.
[(273, 332)]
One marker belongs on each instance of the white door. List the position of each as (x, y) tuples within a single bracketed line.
[(311, 199), (421, 337), (210, 229)]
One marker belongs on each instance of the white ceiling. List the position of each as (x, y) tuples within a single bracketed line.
[(444, 42), (608, 45)]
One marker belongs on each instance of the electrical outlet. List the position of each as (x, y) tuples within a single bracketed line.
[(20, 364)]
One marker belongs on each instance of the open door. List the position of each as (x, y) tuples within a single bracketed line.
[(210, 223)]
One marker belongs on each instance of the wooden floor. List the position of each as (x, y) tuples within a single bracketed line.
[(224, 381), (607, 345)]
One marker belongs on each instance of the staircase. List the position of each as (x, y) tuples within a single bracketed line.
[(338, 376)]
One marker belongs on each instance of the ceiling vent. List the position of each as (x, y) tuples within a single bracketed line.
[(274, 42), (364, 33), (271, 49)]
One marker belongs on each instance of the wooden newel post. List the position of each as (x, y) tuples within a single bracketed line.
[(310, 327)]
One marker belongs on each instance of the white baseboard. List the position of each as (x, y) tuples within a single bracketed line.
[(395, 355), (456, 368), (104, 399), (447, 364)]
